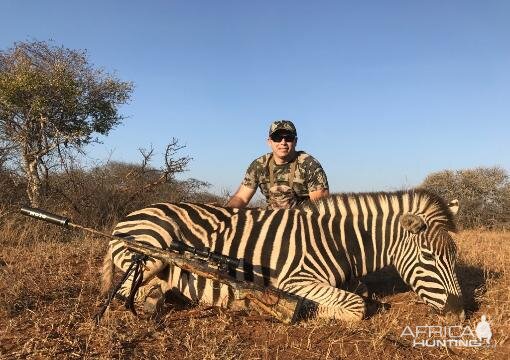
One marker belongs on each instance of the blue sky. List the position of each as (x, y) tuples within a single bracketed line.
[(382, 92)]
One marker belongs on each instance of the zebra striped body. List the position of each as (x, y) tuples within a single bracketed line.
[(310, 251)]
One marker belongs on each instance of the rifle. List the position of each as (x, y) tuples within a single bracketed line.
[(202, 262)]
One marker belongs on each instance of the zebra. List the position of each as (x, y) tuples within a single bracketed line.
[(311, 251)]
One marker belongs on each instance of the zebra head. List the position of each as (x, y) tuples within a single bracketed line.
[(427, 261)]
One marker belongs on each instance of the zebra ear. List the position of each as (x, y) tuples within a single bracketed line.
[(454, 206), (412, 223)]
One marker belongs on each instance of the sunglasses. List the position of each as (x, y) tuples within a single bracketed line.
[(279, 137)]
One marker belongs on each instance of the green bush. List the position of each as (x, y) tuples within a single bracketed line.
[(483, 193)]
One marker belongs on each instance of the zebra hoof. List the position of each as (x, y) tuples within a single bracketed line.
[(153, 304), (361, 290), (357, 287)]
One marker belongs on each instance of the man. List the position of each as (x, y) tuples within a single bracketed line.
[(285, 176)]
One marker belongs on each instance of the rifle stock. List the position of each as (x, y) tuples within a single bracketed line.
[(281, 305)]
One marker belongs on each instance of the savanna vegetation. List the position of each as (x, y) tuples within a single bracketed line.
[(483, 192), (52, 103)]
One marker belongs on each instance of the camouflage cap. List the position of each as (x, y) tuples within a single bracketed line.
[(282, 125)]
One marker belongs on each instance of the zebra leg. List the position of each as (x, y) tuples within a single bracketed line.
[(152, 294), (331, 302)]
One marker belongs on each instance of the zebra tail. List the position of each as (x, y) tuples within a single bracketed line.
[(107, 272)]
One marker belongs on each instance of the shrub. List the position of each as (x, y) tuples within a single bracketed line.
[(483, 193), (102, 195)]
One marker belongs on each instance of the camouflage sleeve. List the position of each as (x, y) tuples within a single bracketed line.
[(317, 179), (251, 178)]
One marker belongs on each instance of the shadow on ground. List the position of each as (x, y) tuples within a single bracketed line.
[(473, 280), (385, 282)]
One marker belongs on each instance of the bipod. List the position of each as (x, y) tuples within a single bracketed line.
[(137, 262)]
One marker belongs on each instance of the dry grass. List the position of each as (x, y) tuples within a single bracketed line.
[(48, 296)]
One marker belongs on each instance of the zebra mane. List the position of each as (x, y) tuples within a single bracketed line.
[(419, 198)]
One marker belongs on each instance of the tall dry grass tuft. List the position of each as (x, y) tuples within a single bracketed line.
[(49, 288)]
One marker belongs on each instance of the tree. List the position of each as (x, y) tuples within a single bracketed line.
[(483, 193), (53, 102)]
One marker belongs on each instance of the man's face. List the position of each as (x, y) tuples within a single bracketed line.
[(283, 143)]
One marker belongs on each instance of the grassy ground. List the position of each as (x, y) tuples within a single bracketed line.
[(49, 287)]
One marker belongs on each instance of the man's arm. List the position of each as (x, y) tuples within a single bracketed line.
[(242, 197), (314, 195), (317, 181)]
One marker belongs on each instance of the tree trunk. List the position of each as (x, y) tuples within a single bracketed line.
[(34, 184)]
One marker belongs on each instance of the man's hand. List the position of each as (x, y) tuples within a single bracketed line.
[(314, 195)]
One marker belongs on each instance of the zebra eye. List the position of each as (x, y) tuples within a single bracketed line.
[(428, 256)]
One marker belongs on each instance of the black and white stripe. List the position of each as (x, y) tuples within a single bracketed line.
[(311, 251)]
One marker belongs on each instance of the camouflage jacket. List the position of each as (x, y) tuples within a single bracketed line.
[(308, 176)]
